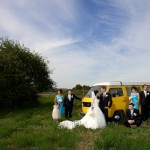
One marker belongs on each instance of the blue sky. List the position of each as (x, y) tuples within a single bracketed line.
[(85, 41)]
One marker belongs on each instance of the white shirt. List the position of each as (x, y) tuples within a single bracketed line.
[(104, 94), (131, 112), (69, 97), (145, 92)]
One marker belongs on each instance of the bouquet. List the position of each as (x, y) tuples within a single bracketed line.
[(59, 101), (92, 114)]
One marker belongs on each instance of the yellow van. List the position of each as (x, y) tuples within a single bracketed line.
[(120, 92)]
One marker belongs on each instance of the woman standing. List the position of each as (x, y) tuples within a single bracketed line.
[(134, 97), (59, 99)]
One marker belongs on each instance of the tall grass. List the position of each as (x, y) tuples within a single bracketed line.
[(117, 137), (34, 128)]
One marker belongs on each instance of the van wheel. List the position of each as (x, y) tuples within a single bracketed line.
[(119, 116)]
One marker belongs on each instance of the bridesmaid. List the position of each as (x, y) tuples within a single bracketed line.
[(59, 99), (134, 97)]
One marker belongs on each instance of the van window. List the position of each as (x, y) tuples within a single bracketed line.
[(98, 88), (116, 92), (128, 90), (138, 89)]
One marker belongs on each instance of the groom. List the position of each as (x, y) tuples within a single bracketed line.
[(68, 103), (105, 102)]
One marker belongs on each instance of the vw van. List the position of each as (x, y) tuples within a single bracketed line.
[(120, 92)]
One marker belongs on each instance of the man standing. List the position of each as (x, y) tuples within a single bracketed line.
[(132, 116), (144, 102), (68, 103), (105, 102)]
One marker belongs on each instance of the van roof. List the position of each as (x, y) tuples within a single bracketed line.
[(121, 83)]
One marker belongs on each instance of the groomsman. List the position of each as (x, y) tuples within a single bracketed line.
[(144, 102), (68, 103), (105, 102), (132, 116)]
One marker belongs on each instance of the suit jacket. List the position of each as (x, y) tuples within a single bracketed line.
[(144, 100), (135, 116), (68, 102), (105, 101)]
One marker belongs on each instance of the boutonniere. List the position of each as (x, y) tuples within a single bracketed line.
[(147, 93), (71, 96), (135, 114), (106, 95)]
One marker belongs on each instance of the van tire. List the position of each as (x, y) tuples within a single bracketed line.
[(119, 116)]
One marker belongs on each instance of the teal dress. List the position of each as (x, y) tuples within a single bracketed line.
[(61, 105), (134, 99)]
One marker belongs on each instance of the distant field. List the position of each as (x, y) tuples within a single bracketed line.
[(34, 129)]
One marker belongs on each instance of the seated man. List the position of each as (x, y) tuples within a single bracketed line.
[(132, 116)]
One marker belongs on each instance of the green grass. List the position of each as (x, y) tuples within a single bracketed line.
[(34, 129)]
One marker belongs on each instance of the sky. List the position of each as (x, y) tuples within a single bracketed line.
[(85, 41)]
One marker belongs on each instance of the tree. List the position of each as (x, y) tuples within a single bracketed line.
[(86, 87), (22, 74), (80, 87), (77, 87)]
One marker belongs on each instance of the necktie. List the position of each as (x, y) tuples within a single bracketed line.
[(145, 93), (104, 95)]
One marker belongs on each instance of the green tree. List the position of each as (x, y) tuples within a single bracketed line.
[(77, 87), (80, 87), (86, 87), (22, 75)]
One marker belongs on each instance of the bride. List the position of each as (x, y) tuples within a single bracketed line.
[(93, 119)]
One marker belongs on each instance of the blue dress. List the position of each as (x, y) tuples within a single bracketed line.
[(61, 105), (134, 99)]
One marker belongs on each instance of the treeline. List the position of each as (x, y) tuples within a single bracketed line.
[(78, 90), (80, 87), (81, 90)]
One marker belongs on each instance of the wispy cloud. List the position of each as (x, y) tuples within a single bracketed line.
[(85, 41)]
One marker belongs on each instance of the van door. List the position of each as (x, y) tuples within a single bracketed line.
[(118, 99)]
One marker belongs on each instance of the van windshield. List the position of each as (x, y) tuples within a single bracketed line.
[(98, 88)]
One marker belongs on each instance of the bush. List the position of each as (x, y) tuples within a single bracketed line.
[(22, 75)]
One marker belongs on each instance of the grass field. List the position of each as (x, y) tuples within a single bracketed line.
[(34, 129)]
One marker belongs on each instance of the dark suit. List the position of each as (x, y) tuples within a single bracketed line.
[(105, 101), (135, 116), (68, 104), (144, 102)]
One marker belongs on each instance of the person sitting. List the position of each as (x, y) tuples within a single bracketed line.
[(132, 116)]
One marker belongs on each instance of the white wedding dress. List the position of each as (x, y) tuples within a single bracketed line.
[(93, 119)]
